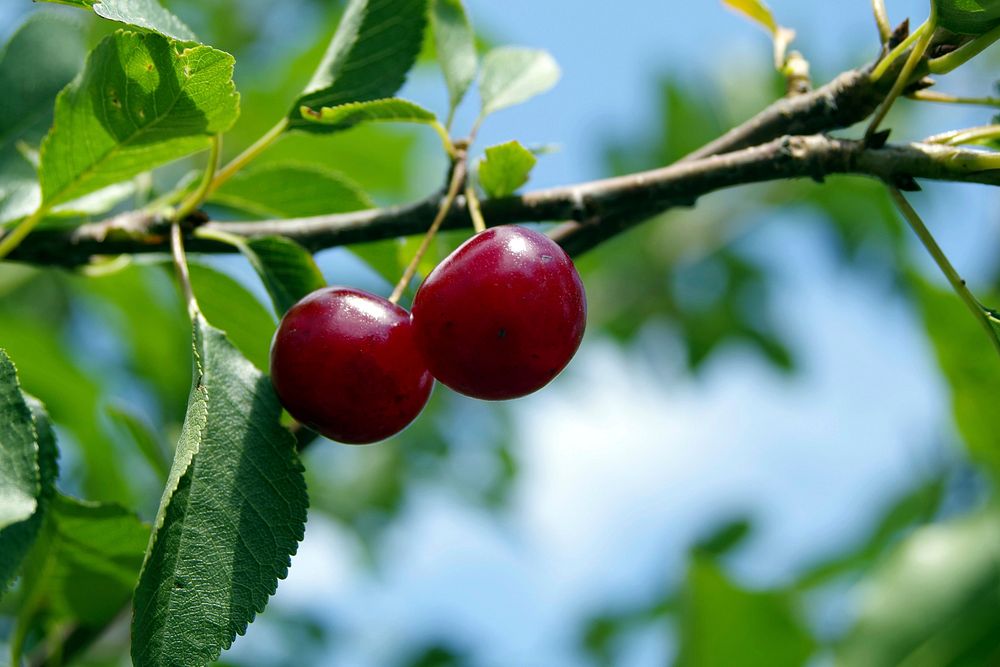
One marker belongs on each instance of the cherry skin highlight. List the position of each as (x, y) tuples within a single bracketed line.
[(502, 315), (344, 363)]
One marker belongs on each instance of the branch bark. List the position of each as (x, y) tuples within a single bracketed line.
[(599, 208)]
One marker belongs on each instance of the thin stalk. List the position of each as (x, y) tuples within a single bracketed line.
[(442, 132), (194, 200), (950, 61), (891, 57), (13, 238), (919, 49), (457, 178), (956, 281), (969, 135), (944, 98), (882, 20), (181, 266), (244, 158), (478, 222)]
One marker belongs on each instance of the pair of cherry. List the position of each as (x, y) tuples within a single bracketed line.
[(497, 319)]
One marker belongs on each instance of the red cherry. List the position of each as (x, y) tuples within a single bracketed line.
[(343, 362), (502, 315)]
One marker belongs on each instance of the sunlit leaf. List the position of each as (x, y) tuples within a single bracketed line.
[(389, 110), (147, 14), (140, 102), (505, 169), (456, 47), (374, 47), (755, 10), (231, 516), (512, 75)]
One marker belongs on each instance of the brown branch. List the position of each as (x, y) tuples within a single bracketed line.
[(602, 208)]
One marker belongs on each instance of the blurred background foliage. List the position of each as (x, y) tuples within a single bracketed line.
[(108, 353)]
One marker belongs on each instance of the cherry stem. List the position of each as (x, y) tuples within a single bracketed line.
[(194, 200), (472, 199), (457, 179), (180, 264), (882, 20), (944, 98), (248, 155), (957, 283)]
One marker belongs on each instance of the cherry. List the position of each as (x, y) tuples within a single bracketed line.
[(502, 315), (343, 362)]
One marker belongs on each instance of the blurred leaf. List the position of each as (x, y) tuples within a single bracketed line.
[(455, 43), (969, 364), (755, 10), (30, 85), (969, 17), (723, 624), (505, 169), (231, 516), (289, 272), (148, 443), (147, 14), (139, 103), (71, 396), (512, 75), (935, 600), (236, 311), (291, 190), (84, 565), (389, 110), (917, 506), (374, 47), (723, 539)]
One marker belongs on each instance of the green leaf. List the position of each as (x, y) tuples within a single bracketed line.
[(932, 601), (149, 443), (970, 17), (505, 169), (238, 312), (28, 471), (291, 190), (512, 75), (390, 110), (30, 85), (755, 10), (969, 364), (456, 47), (19, 476), (231, 517), (723, 624), (147, 14), (84, 565), (288, 270), (374, 47), (140, 102)]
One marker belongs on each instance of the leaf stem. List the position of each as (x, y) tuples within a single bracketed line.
[(883, 65), (957, 283), (244, 158), (13, 238), (457, 179), (919, 49), (882, 20), (950, 61), (180, 264), (472, 199), (969, 135), (944, 98), (442, 131), (194, 200)]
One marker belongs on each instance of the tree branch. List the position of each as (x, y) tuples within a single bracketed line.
[(600, 208)]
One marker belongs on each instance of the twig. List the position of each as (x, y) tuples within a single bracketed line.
[(882, 20), (956, 281)]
